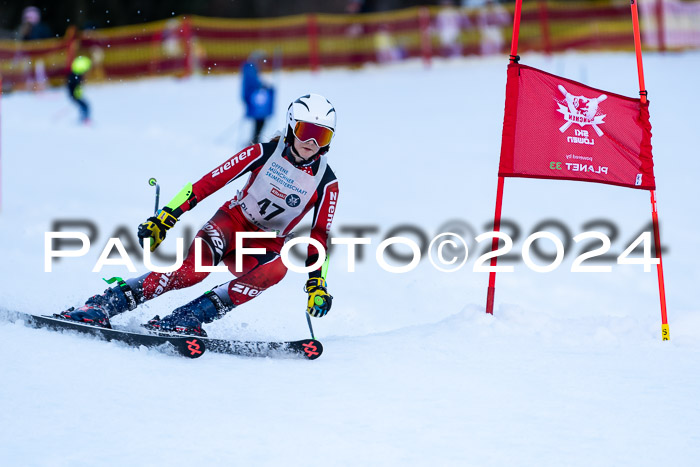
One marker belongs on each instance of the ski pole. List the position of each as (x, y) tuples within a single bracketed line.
[(154, 182), (311, 328), (324, 272)]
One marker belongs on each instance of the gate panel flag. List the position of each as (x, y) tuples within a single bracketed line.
[(560, 129)]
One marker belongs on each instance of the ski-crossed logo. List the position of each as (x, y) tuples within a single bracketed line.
[(193, 346), (310, 349), (580, 110), (293, 200)]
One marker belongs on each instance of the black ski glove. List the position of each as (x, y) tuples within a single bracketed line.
[(320, 300), (155, 227)]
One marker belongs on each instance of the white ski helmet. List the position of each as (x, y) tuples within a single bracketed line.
[(311, 117)]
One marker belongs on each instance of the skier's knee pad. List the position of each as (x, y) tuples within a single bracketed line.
[(241, 292), (215, 243)]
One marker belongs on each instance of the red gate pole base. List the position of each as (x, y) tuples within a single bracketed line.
[(489, 299)]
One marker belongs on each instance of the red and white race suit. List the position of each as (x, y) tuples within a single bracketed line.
[(275, 198)]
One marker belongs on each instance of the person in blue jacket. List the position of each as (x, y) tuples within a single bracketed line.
[(257, 95)]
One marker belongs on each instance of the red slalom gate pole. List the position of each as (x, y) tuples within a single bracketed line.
[(516, 30), (494, 246), (491, 292), (665, 331), (638, 51)]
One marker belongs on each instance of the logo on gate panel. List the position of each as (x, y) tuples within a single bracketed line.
[(293, 200), (581, 111)]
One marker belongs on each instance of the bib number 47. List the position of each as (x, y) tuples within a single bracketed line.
[(275, 209)]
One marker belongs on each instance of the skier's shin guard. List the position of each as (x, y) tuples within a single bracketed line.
[(212, 305), (125, 296)]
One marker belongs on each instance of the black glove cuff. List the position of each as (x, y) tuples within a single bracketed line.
[(315, 283), (165, 218)]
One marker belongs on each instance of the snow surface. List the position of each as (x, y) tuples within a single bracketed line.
[(570, 370)]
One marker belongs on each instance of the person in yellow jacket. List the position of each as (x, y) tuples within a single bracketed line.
[(78, 69)]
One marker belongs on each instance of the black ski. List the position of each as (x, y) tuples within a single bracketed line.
[(188, 346), (310, 349), (191, 347)]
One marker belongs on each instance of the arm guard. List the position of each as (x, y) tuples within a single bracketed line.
[(183, 201)]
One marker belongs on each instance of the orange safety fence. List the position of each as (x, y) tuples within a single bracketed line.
[(193, 44)]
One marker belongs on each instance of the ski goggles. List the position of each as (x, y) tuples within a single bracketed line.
[(305, 131)]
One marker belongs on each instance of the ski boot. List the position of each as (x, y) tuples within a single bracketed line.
[(188, 319), (99, 308)]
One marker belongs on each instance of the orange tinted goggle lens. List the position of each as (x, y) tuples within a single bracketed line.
[(306, 131)]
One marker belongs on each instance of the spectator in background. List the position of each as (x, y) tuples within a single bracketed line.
[(32, 28), (258, 96), (385, 45), (491, 20), (448, 24), (354, 7), (78, 68)]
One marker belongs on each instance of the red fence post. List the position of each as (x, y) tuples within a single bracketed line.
[(424, 28), (660, 26), (187, 39), (312, 32), (156, 45), (543, 10)]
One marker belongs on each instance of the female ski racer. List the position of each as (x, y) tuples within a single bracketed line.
[(286, 178)]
